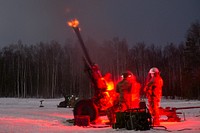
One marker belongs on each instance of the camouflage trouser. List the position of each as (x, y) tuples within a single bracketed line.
[(110, 112), (153, 105)]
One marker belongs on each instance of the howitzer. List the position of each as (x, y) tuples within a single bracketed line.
[(172, 114), (99, 102)]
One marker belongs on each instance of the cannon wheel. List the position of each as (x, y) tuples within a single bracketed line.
[(86, 107)]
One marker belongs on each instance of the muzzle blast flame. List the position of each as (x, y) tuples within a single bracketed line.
[(73, 23)]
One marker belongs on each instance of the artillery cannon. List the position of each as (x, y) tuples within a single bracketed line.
[(102, 98), (172, 114)]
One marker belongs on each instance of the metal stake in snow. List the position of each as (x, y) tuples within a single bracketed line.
[(41, 103)]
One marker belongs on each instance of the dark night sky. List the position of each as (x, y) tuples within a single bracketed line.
[(150, 21)]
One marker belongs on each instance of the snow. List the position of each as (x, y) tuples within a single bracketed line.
[(25, 116)]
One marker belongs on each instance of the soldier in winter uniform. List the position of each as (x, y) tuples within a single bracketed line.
[(128, 90), (153, 90)]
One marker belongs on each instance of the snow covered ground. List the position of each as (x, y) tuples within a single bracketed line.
[(25, 116)]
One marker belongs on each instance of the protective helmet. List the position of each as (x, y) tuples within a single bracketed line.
[(127, 74), (154, 70)]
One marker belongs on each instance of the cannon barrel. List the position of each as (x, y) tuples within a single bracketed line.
[(179, 108), (76, 29)]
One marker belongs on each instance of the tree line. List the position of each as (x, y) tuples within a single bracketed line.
[(51, 69)]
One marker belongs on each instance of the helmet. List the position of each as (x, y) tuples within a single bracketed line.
[(127, 74), (154, 70)]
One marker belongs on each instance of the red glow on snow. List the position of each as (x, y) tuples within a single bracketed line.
[(26, 125), (101, 120), (170, 123)]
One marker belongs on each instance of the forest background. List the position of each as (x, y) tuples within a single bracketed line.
[(51, 69)]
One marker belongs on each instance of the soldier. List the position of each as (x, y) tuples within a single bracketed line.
[(153, 90), (128, 90), (106, 85)]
